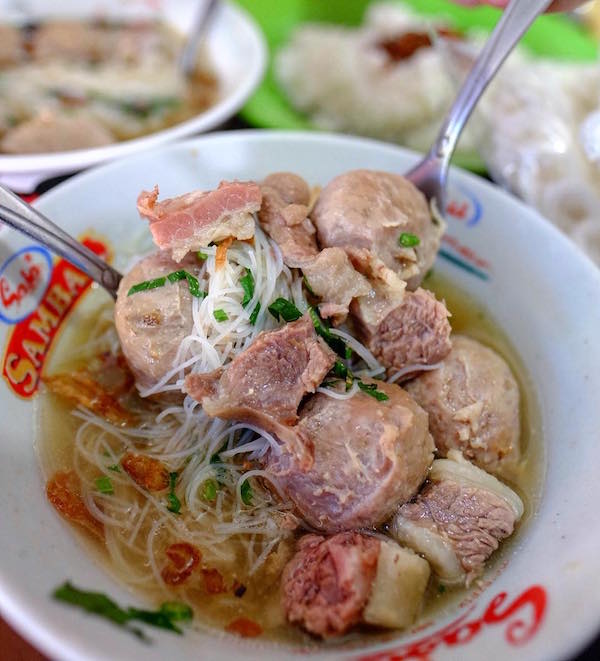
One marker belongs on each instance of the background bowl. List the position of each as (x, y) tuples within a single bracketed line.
[(544, 604), (235, 45)]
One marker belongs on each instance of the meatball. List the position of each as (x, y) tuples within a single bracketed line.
[(369, 457), (372, 210), (473, 405), (151, 324)]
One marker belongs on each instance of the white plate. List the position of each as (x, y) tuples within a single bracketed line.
[(235, 45), (543, 293)]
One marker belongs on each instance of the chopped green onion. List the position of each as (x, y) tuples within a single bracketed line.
[(348, 353), (246, 491), (336, 343), (220, 315), (146, 285), (209, 492), (254, 315), (176, 611), (408, 240), (99, 604), (371, 389), (193, 284), (104, 485), (247, 283), (115, 468), (285, 309), (173, 503), (441, 589), (308, 287), (201, 256)]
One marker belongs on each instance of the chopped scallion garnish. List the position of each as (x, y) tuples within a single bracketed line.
[(247, 283), (285, 309), (309, 289), (254, 315), (173, 503), (220, 315), (193, 284), (115, 468), (209, 492), (201, 256), (246, 491), (99, 604), (408, 240), (104, 485), (371, 389), (336, 343)]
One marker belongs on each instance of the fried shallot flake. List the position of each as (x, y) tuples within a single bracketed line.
[(63, 491), (80, 388), (183, 559), (213, 581), (148, 473), (244, 627), (221, 254)]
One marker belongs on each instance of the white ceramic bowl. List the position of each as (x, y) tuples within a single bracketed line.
[(235, 45), (544, 294)]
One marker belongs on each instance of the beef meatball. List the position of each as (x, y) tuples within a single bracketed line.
[(473, 405), (369, 457), (372, 210), (151, 324)]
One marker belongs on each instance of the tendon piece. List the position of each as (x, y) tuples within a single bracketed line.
[(192, 221), (369, 457), (53, 133), (473, 405), (459, 519), (147, 472), (332, 277), (284, 217), (375, 210), (326, 585), (81, 389), (414, 334), (63, 491), (183, 558), (244, 627), (265, 384), (152, 324), (213, 581), (398, 589)]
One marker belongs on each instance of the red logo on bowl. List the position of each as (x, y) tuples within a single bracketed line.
[(523, 616), (37, 303), (24, 278)]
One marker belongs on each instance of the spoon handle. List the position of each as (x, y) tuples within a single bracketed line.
[(187, 60), (26, 219), (515, 20)]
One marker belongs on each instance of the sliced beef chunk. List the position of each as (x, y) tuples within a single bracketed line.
[(372, 210), (151, 324), (327, 583), (459, 519), (473, 405), (192, 221), (334, 280), (332, 584), (413, 334), (284, 217), (369, 456), (265, 384)]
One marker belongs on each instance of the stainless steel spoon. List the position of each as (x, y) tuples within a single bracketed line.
[(29, 221), (187, 59), (431, 174)]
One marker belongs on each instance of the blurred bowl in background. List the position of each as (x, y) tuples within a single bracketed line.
[(234, 44)]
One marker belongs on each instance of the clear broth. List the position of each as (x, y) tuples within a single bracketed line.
[(56, 429)]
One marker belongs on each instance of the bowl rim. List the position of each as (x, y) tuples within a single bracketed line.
[(52, 164), (22, 616)]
